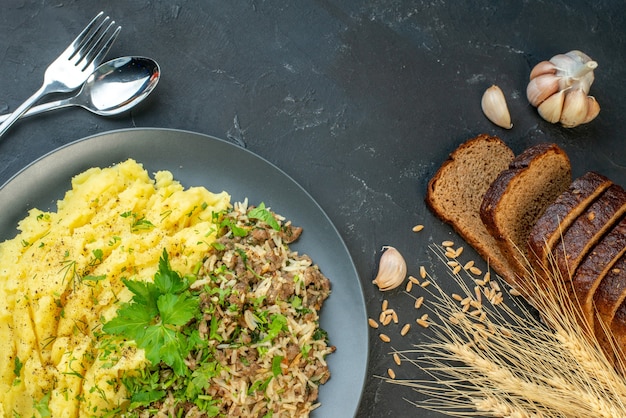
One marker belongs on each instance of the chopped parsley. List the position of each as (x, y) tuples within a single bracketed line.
[(138, 223)]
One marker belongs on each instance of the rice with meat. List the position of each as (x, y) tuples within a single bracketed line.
[(260, 302)]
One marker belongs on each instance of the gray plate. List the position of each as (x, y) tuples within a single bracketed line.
[(200, 160)]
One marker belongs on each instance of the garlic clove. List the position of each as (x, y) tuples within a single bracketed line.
[(578, 56), (495, 108), (552, 107), (593, 110), (575, 107), (391, 269), (575, 69), (564, 63), (585, 77), (544, 67), (542, 87)]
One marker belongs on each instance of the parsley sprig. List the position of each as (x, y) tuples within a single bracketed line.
[(155, 316), (261, 213)]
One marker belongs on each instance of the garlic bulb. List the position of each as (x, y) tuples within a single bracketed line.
[(391, 269), (494, 107), (559, 89)]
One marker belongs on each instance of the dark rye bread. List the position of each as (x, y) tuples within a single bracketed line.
[(559, 216), (611, 291), (456, 191), (609, 325), (591, 284), (618, 324), (588, 229), (517, 199)]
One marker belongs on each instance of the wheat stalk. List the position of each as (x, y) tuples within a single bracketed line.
[(508, 363)]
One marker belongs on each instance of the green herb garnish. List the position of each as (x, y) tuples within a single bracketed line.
[(41, 406), (17, 368), (155, 315), (139, 223), (263, 214)]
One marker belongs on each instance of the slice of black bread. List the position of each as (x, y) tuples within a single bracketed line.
[(611, 292), (615, 342), (588, 229), (558, 217), (518, 197), (593, 286), (456, 191)]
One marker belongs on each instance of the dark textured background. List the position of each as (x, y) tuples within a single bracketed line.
[(358, 101)]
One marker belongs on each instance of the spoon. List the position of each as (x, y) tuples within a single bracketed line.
[(113, 88)]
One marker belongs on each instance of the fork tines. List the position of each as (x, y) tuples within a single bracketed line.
[(92, 44)]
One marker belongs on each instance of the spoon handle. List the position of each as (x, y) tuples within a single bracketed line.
[(44, 107)]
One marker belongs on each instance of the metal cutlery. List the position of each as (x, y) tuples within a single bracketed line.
[(72, 68)]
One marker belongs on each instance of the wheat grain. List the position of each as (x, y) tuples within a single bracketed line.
[(381, 317), (422, 323), (423, 272), (500, 408), (478, 293), (475, 304), (475, 270), (476, 312), (396, 359), (394, 317)]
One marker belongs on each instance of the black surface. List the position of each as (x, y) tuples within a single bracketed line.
[(358, 101)]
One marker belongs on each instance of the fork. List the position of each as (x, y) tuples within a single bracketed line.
[(72, 68)]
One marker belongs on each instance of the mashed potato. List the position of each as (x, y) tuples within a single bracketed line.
[(60, 278)]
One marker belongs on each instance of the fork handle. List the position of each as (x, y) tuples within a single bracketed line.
[(28, 103), (41, 108)]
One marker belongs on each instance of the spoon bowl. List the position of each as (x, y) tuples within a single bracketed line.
[(119, 85), (113, 88)]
